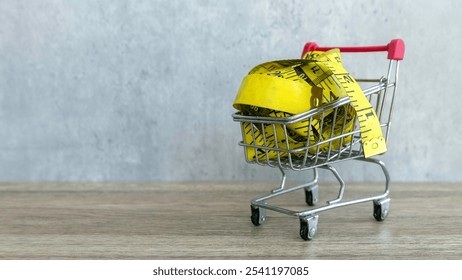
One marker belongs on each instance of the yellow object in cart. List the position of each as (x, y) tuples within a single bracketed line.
[(289, 87)]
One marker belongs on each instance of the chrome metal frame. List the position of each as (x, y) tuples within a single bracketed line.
[(381, 95)]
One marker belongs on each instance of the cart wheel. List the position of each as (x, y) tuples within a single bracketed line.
[(308, 227), (311, 195), (381, 209), (258, 215)]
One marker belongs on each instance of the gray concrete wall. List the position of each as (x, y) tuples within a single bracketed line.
[(116, 90)]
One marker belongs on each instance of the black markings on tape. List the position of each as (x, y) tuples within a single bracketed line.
[(303, 75)]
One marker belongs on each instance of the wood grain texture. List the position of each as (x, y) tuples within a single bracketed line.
[(211, 221)]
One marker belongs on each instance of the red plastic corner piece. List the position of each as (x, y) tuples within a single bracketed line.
[(309, 47), (396, 49)]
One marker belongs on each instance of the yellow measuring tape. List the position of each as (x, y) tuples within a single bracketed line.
[(288, 87)]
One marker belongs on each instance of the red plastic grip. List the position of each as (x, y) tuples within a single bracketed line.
[(395, 49)]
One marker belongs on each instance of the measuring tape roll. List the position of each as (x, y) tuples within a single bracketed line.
[(288, 87)]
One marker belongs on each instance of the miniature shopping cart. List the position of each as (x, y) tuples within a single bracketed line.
[(323, 153)]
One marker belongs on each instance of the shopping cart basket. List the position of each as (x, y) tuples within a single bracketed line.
[(322, 152)]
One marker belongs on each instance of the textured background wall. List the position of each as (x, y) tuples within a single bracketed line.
[(142, 90)]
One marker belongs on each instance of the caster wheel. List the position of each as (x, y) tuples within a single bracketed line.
[(381, 209), (311, 195), (308, 227), (258, 215)]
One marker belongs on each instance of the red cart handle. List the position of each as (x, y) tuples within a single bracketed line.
[(395, 49)]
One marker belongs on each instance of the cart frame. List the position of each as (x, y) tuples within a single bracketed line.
[(323, 154)]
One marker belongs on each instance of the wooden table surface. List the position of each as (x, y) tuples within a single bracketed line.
[(211, 221)]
